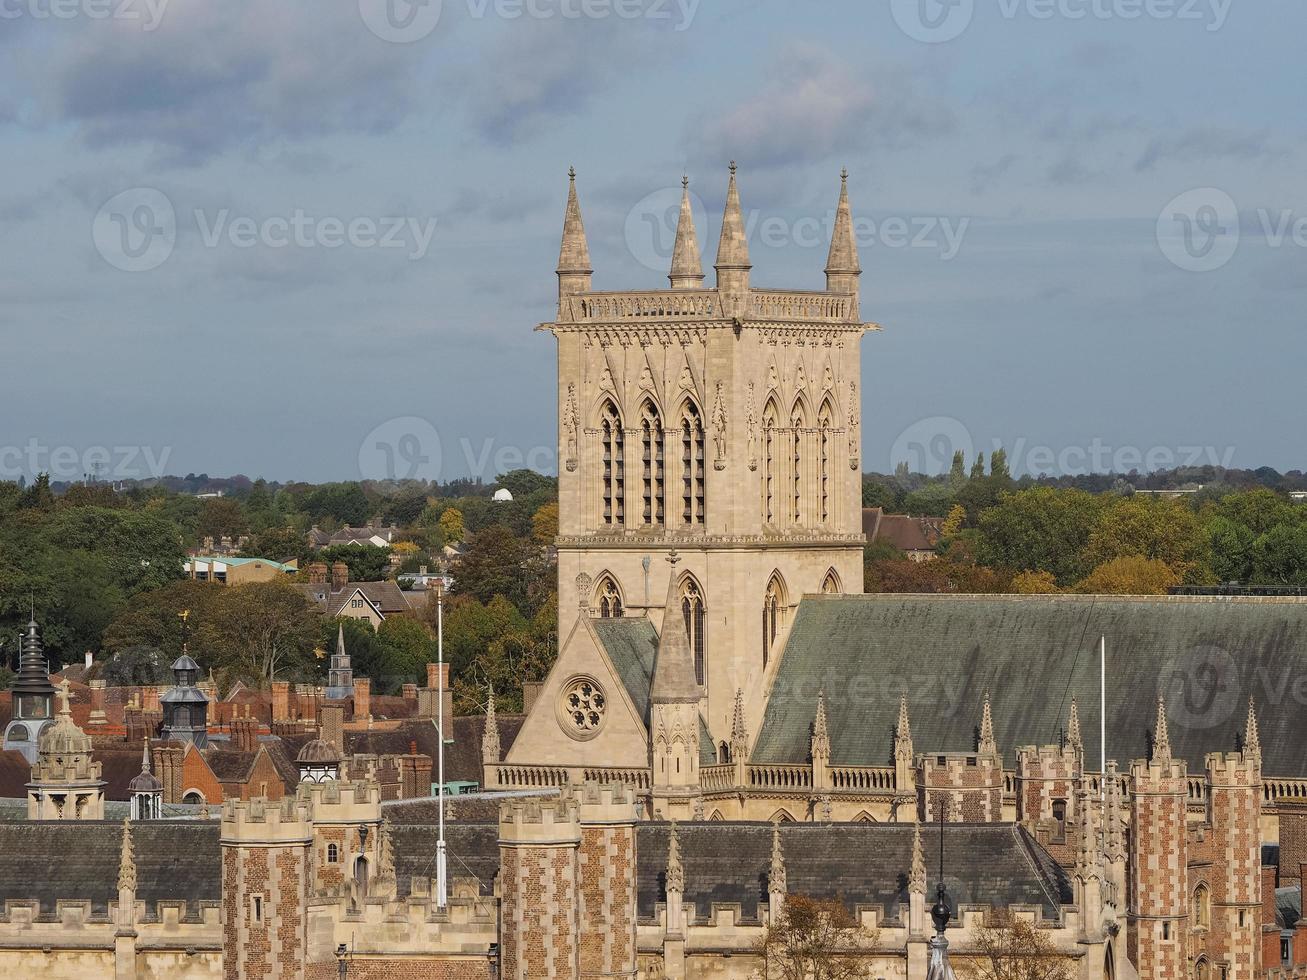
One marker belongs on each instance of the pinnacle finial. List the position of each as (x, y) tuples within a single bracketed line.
[(842, 264), (1073, 736), (687, 266), (65, 701), (1161, 736), (574, 252), (739, 734), (733, 248), (145, 755), (776, 873), (820, 731), (987, 744), (917, 878), (127, 860), (1252, 740), (675, 869)]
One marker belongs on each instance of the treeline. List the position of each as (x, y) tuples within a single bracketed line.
[(997, 534), (102, 568)]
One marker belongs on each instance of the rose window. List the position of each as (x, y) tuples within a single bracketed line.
[(584, 706)]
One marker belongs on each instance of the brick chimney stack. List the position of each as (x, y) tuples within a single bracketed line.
[(280, 701), (339, 576), (362, 697), (318, 573), (244, 734)]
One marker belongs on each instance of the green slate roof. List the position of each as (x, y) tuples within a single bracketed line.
[(1034, 653), (632, 646)]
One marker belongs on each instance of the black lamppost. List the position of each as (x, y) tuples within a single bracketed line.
[(342, 964)]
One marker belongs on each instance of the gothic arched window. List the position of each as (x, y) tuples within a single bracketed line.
[(830, 585), (692, 610), (771, 616), (614, 462), (692, 457), (333, 854), (796, 445), (651, 446), (824, 423), (770, 417), (1202, 907), (609, 599)]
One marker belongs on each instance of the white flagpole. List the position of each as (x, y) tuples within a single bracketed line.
[(1102, 716), (441, 883)]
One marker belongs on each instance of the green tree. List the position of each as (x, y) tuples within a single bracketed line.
[(221, 516), (262, 631), (1166, 530), (998, 464), (406, 646), (496, 563), (136, 667), (978, 467), (814, 939), (367, 563), (544, 524), (957, 474), (1040, 529), (1232, 549), (1280, 556)]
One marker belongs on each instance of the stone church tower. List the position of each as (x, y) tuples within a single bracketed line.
[(722, 423)]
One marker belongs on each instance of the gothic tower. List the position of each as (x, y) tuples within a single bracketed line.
[(722, 423)]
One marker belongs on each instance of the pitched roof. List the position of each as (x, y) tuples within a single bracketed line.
[(859, 864), (900, 531), (78, 860), (1035, 653)]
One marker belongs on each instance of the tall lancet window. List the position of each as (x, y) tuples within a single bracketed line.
[(692, 609), (692, 457), (796, 490), (771, 617), (651, 438), (769, 462), (824, 423), (613, 488)]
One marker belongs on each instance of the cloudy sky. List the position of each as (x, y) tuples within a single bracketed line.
[(307, 239)]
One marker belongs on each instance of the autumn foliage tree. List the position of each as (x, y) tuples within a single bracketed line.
[(814, 939), (1016, 950)]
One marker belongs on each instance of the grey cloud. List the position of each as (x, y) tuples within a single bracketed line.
[(1206, 143), (218, 75), (984, 176), (813, 105)]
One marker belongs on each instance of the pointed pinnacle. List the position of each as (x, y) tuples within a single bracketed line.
[(1073, 735), (987, 744), (819, 723), (574, 252), (776, 873), (917, 878), (675, 868), (1161, 737), (843, 257), (733, 248), (687, 266), (903, 730), (1252, 740)]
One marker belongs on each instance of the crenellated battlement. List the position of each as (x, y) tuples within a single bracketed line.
[(259, 821), (1233, 769)]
